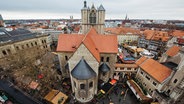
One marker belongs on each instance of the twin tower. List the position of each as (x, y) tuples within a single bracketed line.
[(92, 17)]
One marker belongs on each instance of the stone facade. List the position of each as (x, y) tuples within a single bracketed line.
[(150, 83), (127, 38), (74, 58), (92, 17), (12, 47)]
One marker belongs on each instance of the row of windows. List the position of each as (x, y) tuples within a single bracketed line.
[(82, 86), (148, 78), (44, 41), (27, 45), (107, 59), (6, 52)]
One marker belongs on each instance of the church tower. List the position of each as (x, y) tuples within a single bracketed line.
[(1, 21), (93, 17)]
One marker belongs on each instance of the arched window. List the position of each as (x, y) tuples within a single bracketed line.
[(4, 52), (92, 17), (90, 84), (82, 86), (175, 80)]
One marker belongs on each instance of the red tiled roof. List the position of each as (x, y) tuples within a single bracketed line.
[(88, 42), (173, 51), (156, 35), (69, 43), (95, 43), (141, 60), (122, 30), (156, 70), (178, 33)]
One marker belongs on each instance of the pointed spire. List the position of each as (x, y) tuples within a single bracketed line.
[(101, 8), (1, 18), (126, 17), (85, 4), (92, 6)]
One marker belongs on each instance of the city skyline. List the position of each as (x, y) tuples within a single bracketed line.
[(57, 9)]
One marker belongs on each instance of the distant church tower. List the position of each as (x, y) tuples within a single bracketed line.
[(1, 21), (93, 17)]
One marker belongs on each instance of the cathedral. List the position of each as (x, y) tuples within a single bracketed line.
[(88, 57)]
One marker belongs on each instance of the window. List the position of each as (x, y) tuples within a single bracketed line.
[(107, 60), (90, 84), (102, 59), (147, 77), (35, 43), (141, 72), (175, 80), (82, 86), (66, 58), (168, 91), (103, 73), (128, 68), (74, 83), (17, 47), (32, 44), (46, 46), (92, 17), (154, 83), (27, 45), (4, 52), (45, 41), (42, 41)]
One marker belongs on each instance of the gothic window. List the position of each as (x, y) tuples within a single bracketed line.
[(92, 17)]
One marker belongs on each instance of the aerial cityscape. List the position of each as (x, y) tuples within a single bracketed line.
[(90, 54)]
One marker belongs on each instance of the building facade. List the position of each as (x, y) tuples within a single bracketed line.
[(93, 17), (12, 42), (85, 59), (1, 21)]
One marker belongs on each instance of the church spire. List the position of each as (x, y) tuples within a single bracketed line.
[(85, 4)]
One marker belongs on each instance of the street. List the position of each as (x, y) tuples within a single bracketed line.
[(13, 91)]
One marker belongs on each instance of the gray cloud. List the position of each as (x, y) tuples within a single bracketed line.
[(140, 9)]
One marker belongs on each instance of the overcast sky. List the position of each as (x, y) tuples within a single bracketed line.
[(115, 9)]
